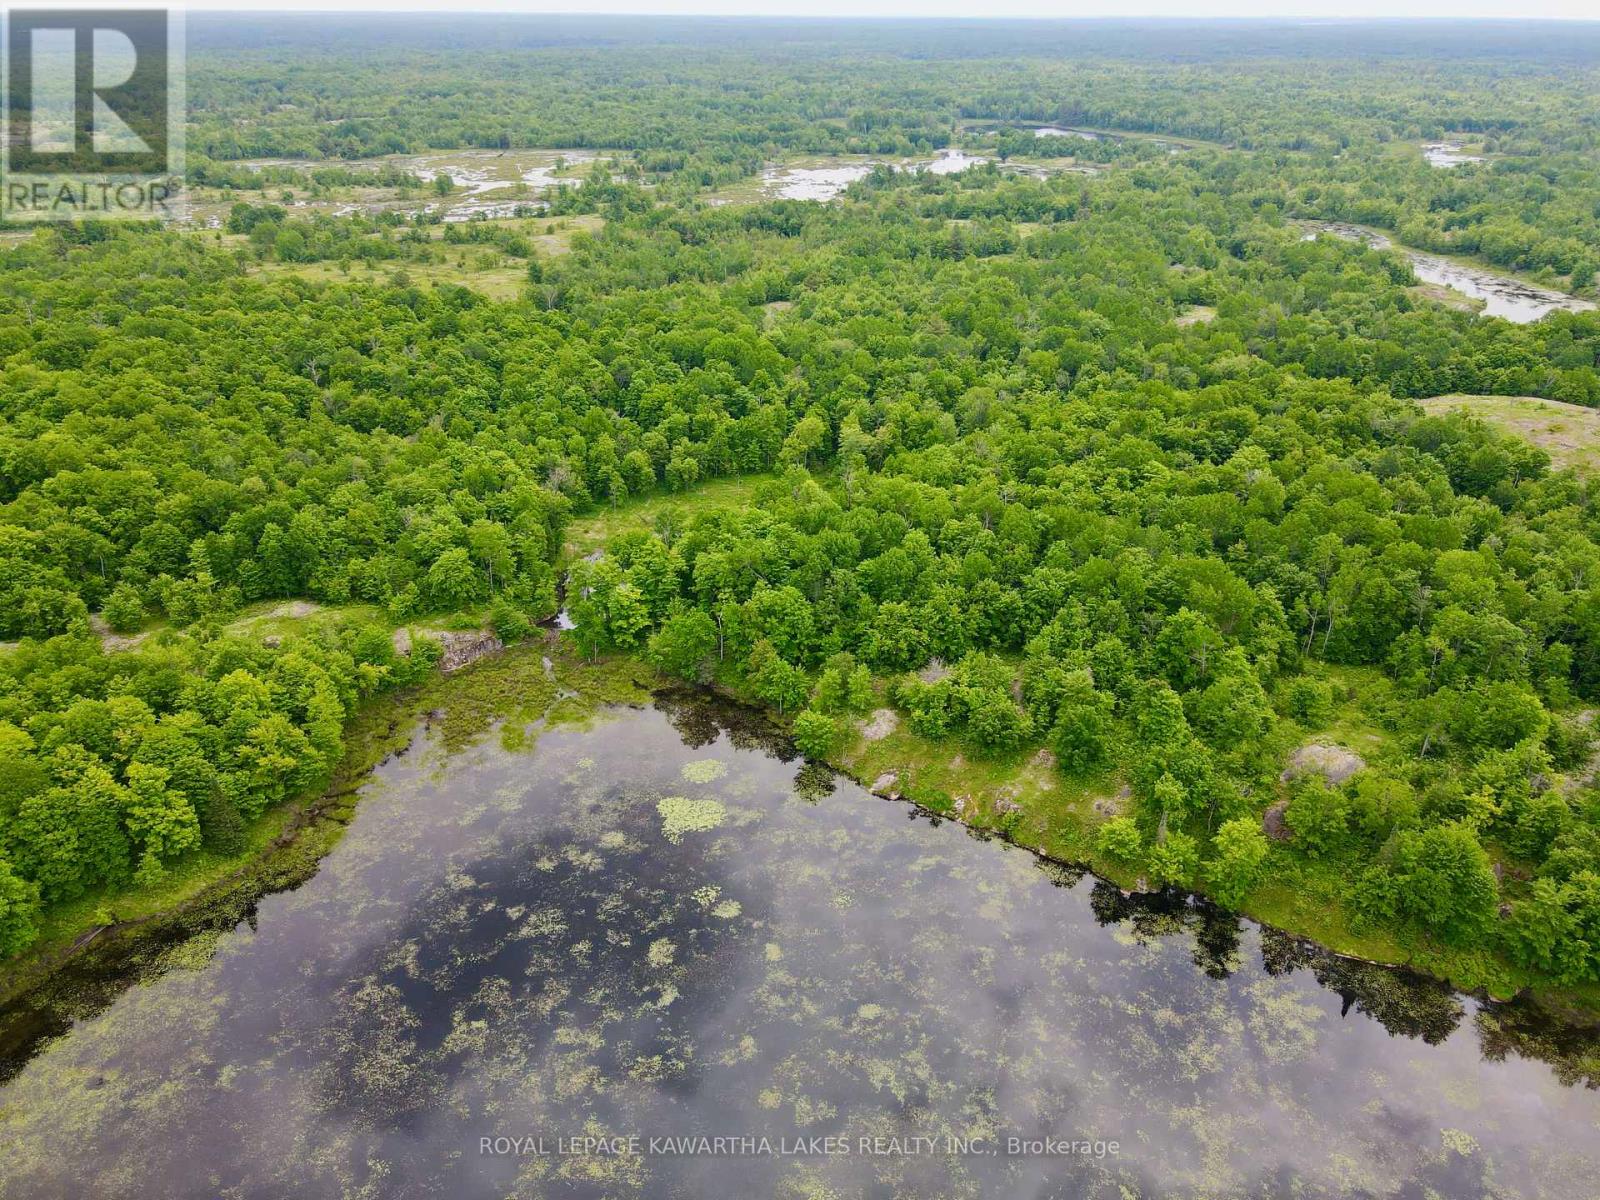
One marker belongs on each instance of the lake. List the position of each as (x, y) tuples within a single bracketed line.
[(552, 962)]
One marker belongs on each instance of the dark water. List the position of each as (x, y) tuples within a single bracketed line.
[(661, 928)]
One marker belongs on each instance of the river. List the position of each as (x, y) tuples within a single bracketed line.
[(531, 959), (1502, 295)]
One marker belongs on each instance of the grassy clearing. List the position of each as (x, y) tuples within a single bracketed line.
[(1195, 314), (592, 531), (282, 618), (1437, 293), (503, 281), (483, 270), (1358, 694), (1568, 433), (554, 235), (1053, 814), (289, 618), (264, 619)]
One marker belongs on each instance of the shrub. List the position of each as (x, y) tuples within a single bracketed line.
[(1446, 881), (1309, 701), (816, 734), (19, 911), (510, 623), (124, 609), (1083, 726), (1375, 895), (929, 707), (1320, 818), (995, 722), (1241, 848), (1120, 839), (1173, 861), (843, 687), (684, 645)]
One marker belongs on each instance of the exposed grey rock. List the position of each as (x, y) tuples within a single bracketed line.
[(1333, 763), (880, 725), (463, 649)]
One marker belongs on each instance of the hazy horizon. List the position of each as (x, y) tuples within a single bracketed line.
[(1329, 11)]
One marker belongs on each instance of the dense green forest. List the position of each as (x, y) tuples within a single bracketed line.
[(1123, 465), (1324, 106)]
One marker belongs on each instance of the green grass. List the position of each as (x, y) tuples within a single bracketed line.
[(479, 268), (1306, 899), (1196, 314), (1358, 693), (503, 281), (1437, 293), (1056, 812), (283, 618), (1568, 433)]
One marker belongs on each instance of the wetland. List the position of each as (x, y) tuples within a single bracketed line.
[(548, 960), (1505, 296)]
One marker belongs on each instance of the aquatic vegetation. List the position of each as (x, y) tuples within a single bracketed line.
[(681, 815), (704, 770), (550, 961)]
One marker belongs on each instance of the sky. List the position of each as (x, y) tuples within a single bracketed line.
[(1045, 9)]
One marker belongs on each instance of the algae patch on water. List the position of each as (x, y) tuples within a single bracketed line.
[(681, 815), (704, 770)]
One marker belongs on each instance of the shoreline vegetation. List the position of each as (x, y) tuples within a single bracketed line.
[(1075, 494), (81, 968), (289, 842)]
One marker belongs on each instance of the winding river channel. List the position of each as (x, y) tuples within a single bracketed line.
[(564, 962), (1503, 296)]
